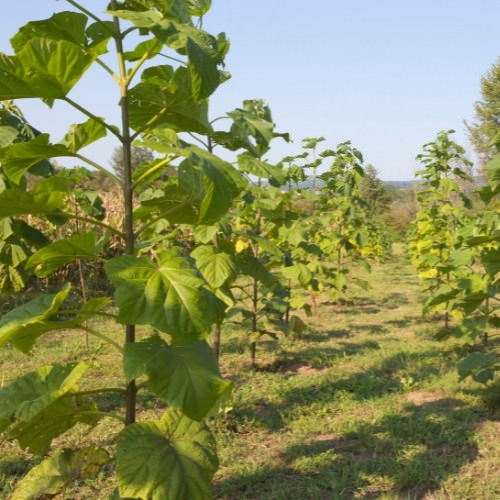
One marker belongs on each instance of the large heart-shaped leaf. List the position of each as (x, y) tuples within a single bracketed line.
[(186, 376), (69, 26), (43, 68), (18, 158), (61, 252), (51, 476), (24, 324), (83, 134), (27, 397), (164, 98), (168, 294), (36, 435), (216, 266), (205, 191), (169, 459), (7, 135), (262, 169)]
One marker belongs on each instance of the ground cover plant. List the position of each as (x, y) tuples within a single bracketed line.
[(365, 405)]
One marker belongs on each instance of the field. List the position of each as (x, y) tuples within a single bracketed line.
[(366, 404)]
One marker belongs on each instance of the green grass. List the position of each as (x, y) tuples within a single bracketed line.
[(366, 404)]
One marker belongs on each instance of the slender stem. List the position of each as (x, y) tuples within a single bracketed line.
[(208, 146), (219, 118), (103, 337), (148, 123), (128, 229), (159, 165), (86, 112), (107, 69), (90, 221), (91, 15), (100, 391), (140, 62), (128, 30), (155, 220), (83, 283), (180, 61), (98, 167)]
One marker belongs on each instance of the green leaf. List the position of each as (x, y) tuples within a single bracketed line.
[(61, 252), (51, 476), (274, 174), (247, 125), (14, 202), (299, 272), (11, 280), (185, 376), (150, 48), (252, 267), (164, 98), (492, 170), (26, 323), (216, 266), (204, 233), (206, 188), (24, 399), (83, 134), (198, 7), (169, 459), (168, 294), (37, 434), (202, 64), (69, 26), (7, 135), (43, 68), (18, 158), (479, 366)]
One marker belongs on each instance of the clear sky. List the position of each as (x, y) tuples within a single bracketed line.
[(385, 74)]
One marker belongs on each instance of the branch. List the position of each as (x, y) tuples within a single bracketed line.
[(112, 129), (159, 165), (98, 167), (85, 219), (140, 62), (91, 15), (147, 124), (196, 138)]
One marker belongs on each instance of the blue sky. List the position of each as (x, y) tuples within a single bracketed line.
[(386, 74)]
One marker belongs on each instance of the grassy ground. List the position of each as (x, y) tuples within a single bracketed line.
[(365, 405)]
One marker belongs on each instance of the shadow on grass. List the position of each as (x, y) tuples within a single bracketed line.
[(410, 453), (315, 357)]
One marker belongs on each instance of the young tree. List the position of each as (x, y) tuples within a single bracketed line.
[(374, 193), (156, 284), (485, 129)]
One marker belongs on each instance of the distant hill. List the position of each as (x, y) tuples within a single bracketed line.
[(401, 184), (479, 181)]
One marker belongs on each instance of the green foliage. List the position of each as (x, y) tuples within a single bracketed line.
[(484, 130), (183, 447), (156, 283), (434, 233), (458, 256)]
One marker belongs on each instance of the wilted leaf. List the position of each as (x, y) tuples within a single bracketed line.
[(58, 471)]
